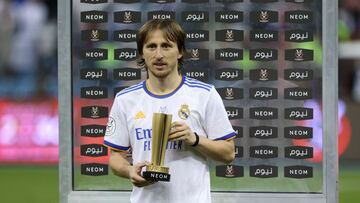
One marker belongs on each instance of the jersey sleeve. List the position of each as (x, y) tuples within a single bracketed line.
[(117, 134), (217, 124)]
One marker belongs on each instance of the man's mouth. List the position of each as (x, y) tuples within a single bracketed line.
[(160, 64)]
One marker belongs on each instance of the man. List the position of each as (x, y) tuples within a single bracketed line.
[(200, 129)]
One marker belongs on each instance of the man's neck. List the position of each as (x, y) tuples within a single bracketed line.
[(162, 86)]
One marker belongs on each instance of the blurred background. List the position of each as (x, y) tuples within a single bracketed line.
[(28, 101)]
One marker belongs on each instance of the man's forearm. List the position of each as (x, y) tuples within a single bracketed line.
[(219, 150), (119, 165)]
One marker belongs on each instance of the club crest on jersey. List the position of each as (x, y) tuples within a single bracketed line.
[(184, 112), (163, 109), (139, 115), (111, 126)]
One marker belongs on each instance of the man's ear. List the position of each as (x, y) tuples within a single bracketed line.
[(180, 55)]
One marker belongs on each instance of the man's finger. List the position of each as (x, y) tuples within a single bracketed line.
[(177, 135), (141, 164), (142, 184), (178, 128), (138, 178), (177, 123), (175, 130), (177, 139)]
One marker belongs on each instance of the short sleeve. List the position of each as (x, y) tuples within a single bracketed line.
[(117, 134), (217, 124)]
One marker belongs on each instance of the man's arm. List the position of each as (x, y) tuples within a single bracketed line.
[(121, 167), (219, 150)]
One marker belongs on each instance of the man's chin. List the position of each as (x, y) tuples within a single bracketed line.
[(160, 74)]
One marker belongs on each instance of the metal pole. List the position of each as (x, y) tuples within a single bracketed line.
[(330, 99), (64, 85)]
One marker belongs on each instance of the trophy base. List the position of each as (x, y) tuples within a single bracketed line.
[(156, 176)]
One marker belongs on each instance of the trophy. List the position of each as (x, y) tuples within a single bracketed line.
[(160, 134)]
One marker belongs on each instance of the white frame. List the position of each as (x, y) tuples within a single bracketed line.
[(330, 129)]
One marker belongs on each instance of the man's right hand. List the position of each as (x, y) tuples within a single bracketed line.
[(135, 175), (121, 167)]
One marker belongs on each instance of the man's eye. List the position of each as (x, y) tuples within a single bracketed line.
[(151, 46), (166, 46)]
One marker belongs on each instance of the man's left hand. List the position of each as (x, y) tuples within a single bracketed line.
[(181, 131)]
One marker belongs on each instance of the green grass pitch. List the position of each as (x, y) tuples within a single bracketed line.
[(39, 184)]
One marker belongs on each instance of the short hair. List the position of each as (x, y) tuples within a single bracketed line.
[(172, 31)]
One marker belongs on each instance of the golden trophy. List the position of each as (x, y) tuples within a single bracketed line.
[(160, 134)]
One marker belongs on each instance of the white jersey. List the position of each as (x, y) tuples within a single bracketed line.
[(130, 122)]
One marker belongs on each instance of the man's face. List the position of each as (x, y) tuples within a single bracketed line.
[(160, 55)]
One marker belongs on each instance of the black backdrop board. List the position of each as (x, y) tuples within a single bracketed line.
[(265, 58), (244, 48)]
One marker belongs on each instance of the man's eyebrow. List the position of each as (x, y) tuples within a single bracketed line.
[(150, 43), (168, 42)]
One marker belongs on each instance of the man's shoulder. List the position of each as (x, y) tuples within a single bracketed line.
[(197, 85), (132, 90)]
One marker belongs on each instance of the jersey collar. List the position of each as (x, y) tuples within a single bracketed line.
[(165, 95)]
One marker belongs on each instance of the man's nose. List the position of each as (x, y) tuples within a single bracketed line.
[(159, 53)]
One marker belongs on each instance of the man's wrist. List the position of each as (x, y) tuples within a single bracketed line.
[(197, 139), (128, 170)]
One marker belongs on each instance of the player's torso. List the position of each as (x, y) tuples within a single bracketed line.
[(183, 106), (187, 167)]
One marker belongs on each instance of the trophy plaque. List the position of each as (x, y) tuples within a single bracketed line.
[(160, 133)]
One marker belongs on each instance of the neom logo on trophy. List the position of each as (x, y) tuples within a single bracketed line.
[(156, 171)]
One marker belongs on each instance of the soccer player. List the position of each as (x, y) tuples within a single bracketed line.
[(200, 130)]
